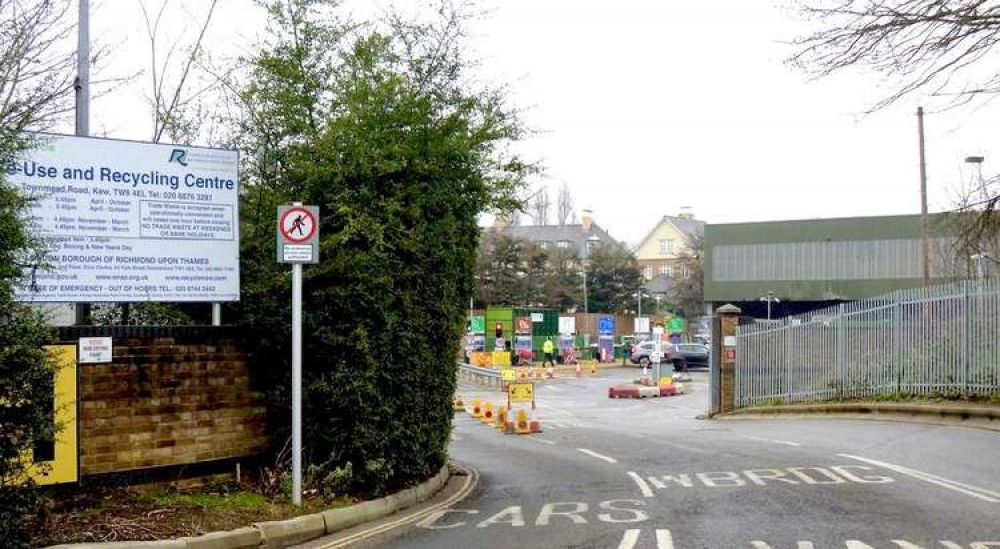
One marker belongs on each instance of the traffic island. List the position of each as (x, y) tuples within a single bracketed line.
[(293, 531), (635, 390)]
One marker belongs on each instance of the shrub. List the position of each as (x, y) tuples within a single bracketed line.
[(26, 374)]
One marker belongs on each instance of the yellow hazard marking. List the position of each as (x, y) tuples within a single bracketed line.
[(63, 468)]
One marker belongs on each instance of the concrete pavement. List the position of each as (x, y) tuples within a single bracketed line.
[(648, 473)]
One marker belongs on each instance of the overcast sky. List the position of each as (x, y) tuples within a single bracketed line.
[(646, 106)]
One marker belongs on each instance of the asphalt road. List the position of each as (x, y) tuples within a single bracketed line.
[(647, 473)]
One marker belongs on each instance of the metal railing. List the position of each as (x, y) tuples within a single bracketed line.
[(477, 374), (928, 341)]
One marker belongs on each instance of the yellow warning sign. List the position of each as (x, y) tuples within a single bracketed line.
[(521, 392), (507, 374)]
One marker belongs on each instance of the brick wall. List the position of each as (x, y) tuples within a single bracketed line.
[(167, 401)]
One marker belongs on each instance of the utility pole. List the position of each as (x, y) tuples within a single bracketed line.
[(925, 227), (81, 311)]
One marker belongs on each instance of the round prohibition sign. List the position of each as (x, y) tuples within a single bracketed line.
[(297, 225)]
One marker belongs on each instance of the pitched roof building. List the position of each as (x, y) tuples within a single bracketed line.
[(564, 237), (660, 252)]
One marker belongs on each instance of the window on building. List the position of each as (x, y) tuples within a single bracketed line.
[(667, 269), (544, 245), (685, 271), (564, 244), (647, 272), (666, 246)]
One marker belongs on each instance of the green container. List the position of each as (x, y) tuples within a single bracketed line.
[(551, 322)]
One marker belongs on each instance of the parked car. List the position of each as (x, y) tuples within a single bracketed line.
[(681, 355), (642, 353), (691, 354)]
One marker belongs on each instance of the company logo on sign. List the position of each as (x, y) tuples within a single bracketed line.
[(179, 156)]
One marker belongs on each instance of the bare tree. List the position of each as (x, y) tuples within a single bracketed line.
[(942, 48), (975, 224), (36, 63), (688, 288), (540, 207), (564, 205), (168, 101)]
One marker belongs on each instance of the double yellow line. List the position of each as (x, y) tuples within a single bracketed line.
[(471, 479)]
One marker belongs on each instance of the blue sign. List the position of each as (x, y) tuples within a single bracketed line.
[(605, 324)]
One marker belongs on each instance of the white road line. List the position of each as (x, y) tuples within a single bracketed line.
[(974, 491), (598, 456), (471, 480), (552, 388), (629, 539), (542, 440), (664, 539), (772, 440), (647, 492)]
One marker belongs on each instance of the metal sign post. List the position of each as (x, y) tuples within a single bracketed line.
[(298, 243)]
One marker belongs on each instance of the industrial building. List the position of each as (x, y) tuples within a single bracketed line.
[(801, 265)]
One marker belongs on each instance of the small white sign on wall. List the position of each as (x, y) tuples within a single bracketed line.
[(95, 350)]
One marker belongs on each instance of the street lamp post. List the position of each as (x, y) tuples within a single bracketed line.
[(593, 239), (978, 257), (770, 298)]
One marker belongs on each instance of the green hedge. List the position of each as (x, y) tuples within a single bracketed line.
[(402, 164)]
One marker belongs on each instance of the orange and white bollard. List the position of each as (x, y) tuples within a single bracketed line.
[(549, 373), (577, 369), (533, 424)]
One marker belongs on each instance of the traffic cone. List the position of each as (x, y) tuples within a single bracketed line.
[(533, 424), (521, 424), (501, 422), (548, 372)]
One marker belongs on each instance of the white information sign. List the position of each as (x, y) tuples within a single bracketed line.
[(297, 253), (129, 221), (642, 325), (567, 325), (94, 350), (537, 317)]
